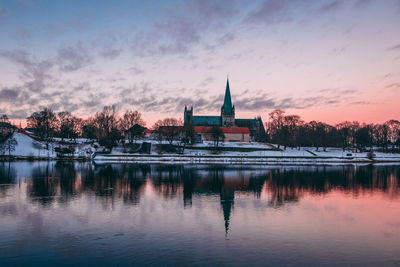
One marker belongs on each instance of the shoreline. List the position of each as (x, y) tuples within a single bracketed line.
[(207, 159)]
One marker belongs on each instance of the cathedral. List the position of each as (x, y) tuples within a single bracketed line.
[(235, 130)]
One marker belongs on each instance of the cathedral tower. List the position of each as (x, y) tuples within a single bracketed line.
[(227, 109), (188, 116)]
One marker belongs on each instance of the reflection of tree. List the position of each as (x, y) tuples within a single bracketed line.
[(7, 177), (167, 180), (42, 188), (116, 181), (7, 173), (132, 186), (66, 171), (290, 185), (127, 181), (189, 183)]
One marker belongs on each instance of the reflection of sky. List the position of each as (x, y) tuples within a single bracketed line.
[(340, 226), (330, 60)]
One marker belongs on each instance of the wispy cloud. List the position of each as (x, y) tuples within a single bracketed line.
[(9, 94), (395, 47), (393, 85), (272, 11), (34, 72), (73, 57), (331, 6)]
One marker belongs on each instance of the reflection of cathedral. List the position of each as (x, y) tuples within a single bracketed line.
[(63, 181), (227, 201), (243, 130)]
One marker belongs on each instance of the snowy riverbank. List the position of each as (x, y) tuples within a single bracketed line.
[(28, 148), (237, 159)]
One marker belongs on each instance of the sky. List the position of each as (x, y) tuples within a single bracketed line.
[(326, 60)]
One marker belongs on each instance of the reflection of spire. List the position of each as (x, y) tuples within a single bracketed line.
[(227, 197), (227, 206)]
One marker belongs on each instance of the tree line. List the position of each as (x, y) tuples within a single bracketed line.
[(292, 131), (108, 128)]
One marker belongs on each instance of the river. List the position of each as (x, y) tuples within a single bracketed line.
[(68, 213)]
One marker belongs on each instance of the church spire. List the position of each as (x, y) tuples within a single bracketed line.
[(227, 100)]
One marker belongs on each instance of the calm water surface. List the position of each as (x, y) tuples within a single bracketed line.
[(63, 213)]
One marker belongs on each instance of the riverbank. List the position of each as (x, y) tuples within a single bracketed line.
[(42, 158), (29, 149), (236, 159)]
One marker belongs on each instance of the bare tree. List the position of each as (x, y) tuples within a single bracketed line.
[(364, 137), (4, 124), (381, 135), (170, 128), (128, 120), (88, 128), (9, 145), (106, 123), (344, 129), (135, 132), (44, 124), (275, 126), (217, 135), (69, 126), (292, 123), (189, 133), (393, 131)]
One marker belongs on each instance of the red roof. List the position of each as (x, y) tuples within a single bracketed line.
[(208, 129)]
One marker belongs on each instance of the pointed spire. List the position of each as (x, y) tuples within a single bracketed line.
[(227, 100)]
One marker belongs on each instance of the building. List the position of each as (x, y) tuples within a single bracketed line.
[(231, 134), (235, 130)]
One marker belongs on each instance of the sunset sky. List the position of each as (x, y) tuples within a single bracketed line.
[(330, 60)]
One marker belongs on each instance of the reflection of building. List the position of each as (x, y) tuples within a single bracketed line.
[(242, 130)]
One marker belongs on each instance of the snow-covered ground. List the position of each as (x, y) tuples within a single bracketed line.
[(28, 147), (266, 154), (259, 153)]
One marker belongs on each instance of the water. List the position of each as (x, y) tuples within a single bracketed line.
[(63, 213)]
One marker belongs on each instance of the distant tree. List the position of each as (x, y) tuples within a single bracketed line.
[(136, 132), (364, 137), (345, 132), (4, 125), (393, 131), (128, 120), (157, 131), (217, 135), (106, 123), (381, 135), (275, 127), (170, 128), (88, 129), (189, 133), (44, 124), (292, 124), (304, 138), (318, 134), (9, 145), (69, 126)]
